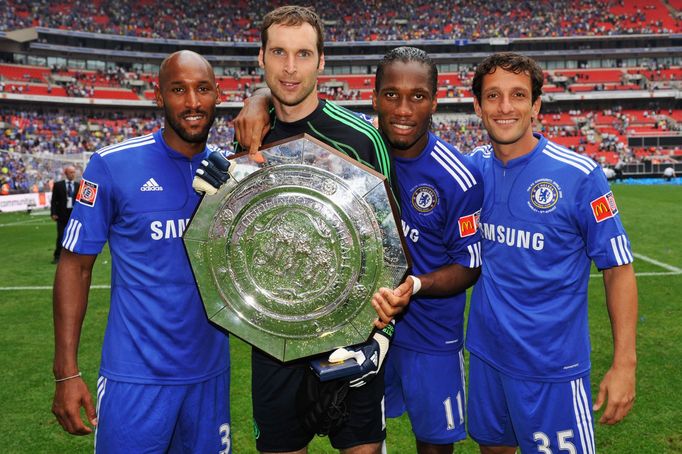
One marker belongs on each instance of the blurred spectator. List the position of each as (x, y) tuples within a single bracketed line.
[(609, 173), (61, 205), (668, 173), (619, 169)]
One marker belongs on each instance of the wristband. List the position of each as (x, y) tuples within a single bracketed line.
[(57, 380), (416, 284)]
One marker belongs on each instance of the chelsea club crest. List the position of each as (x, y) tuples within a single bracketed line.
[(424, 198), (544, 195)]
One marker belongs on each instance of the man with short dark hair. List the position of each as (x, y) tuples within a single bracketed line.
[(441, 196), (164, 375), (547, 214), (291, 57)]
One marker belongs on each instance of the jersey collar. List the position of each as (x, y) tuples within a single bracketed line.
[(522, 160), (296, 125), (429, 146), (158, 136)]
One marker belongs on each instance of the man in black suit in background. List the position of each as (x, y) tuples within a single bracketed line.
[(63, 196)]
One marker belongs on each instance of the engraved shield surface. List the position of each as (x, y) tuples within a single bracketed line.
[(288, 254)]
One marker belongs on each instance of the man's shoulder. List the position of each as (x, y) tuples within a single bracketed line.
[(346, 123), (481, 157), (451, 165), (561, 159), (350, 134), (481, 152), (127, 147)]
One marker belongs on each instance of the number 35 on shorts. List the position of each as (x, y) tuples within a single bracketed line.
[(564, 442)]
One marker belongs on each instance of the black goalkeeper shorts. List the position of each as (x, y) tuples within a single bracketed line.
[(274, 390)]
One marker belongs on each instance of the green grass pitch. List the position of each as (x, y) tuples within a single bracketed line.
[(653, 218)]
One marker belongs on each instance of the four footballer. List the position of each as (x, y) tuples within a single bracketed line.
[(546, 214)]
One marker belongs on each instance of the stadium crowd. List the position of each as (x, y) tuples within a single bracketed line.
[(30, 139), (36, 134), (465, 132), (347, 20)]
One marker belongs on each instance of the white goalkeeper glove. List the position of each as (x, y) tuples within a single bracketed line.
[(213, 172), (370, 355)]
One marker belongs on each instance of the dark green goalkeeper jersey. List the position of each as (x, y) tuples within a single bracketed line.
[(341, 129)]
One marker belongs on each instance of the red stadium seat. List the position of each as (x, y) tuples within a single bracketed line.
[(113, 93)]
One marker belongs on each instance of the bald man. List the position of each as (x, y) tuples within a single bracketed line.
[(164, 377), (63, 193)]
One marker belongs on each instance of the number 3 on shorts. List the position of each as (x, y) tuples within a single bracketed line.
[(224, 432), (563, 437)]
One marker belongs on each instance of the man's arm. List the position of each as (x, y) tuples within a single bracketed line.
[(617, 388), (445, 281), (70, 299), (253, 121)]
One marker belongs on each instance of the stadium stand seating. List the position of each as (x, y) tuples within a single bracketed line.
[(371, 19), (44, 128), (24, 73), (114, 93), (115, 85)]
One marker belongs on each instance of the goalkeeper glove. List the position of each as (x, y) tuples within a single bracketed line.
[(369, 355), (212, 173)]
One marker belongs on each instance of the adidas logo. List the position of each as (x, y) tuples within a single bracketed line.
[(151, 185)]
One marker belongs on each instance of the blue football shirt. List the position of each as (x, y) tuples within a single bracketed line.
[(546, 216), (440, 197), (138, 196)]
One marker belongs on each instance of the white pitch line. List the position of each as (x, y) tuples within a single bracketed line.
[(46, 287), (653, 273), (31, 221), (656, 262), (672, 270), (649, 273)]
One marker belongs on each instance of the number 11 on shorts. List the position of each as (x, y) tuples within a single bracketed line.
[(449, 417)]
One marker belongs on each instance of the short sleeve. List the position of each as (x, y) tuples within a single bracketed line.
[(88, 227), (599, 222), (462, 233)]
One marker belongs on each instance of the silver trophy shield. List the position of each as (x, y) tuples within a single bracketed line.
[(288, 253)]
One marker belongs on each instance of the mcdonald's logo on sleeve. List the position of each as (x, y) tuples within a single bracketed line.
[(604, 207), (468, 225)]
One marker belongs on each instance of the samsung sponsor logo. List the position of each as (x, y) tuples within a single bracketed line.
[(513, 237), (171, 228), (410, 233)]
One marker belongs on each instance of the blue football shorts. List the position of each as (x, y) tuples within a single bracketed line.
[(539, 417), (145, 418), (430, 388)]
